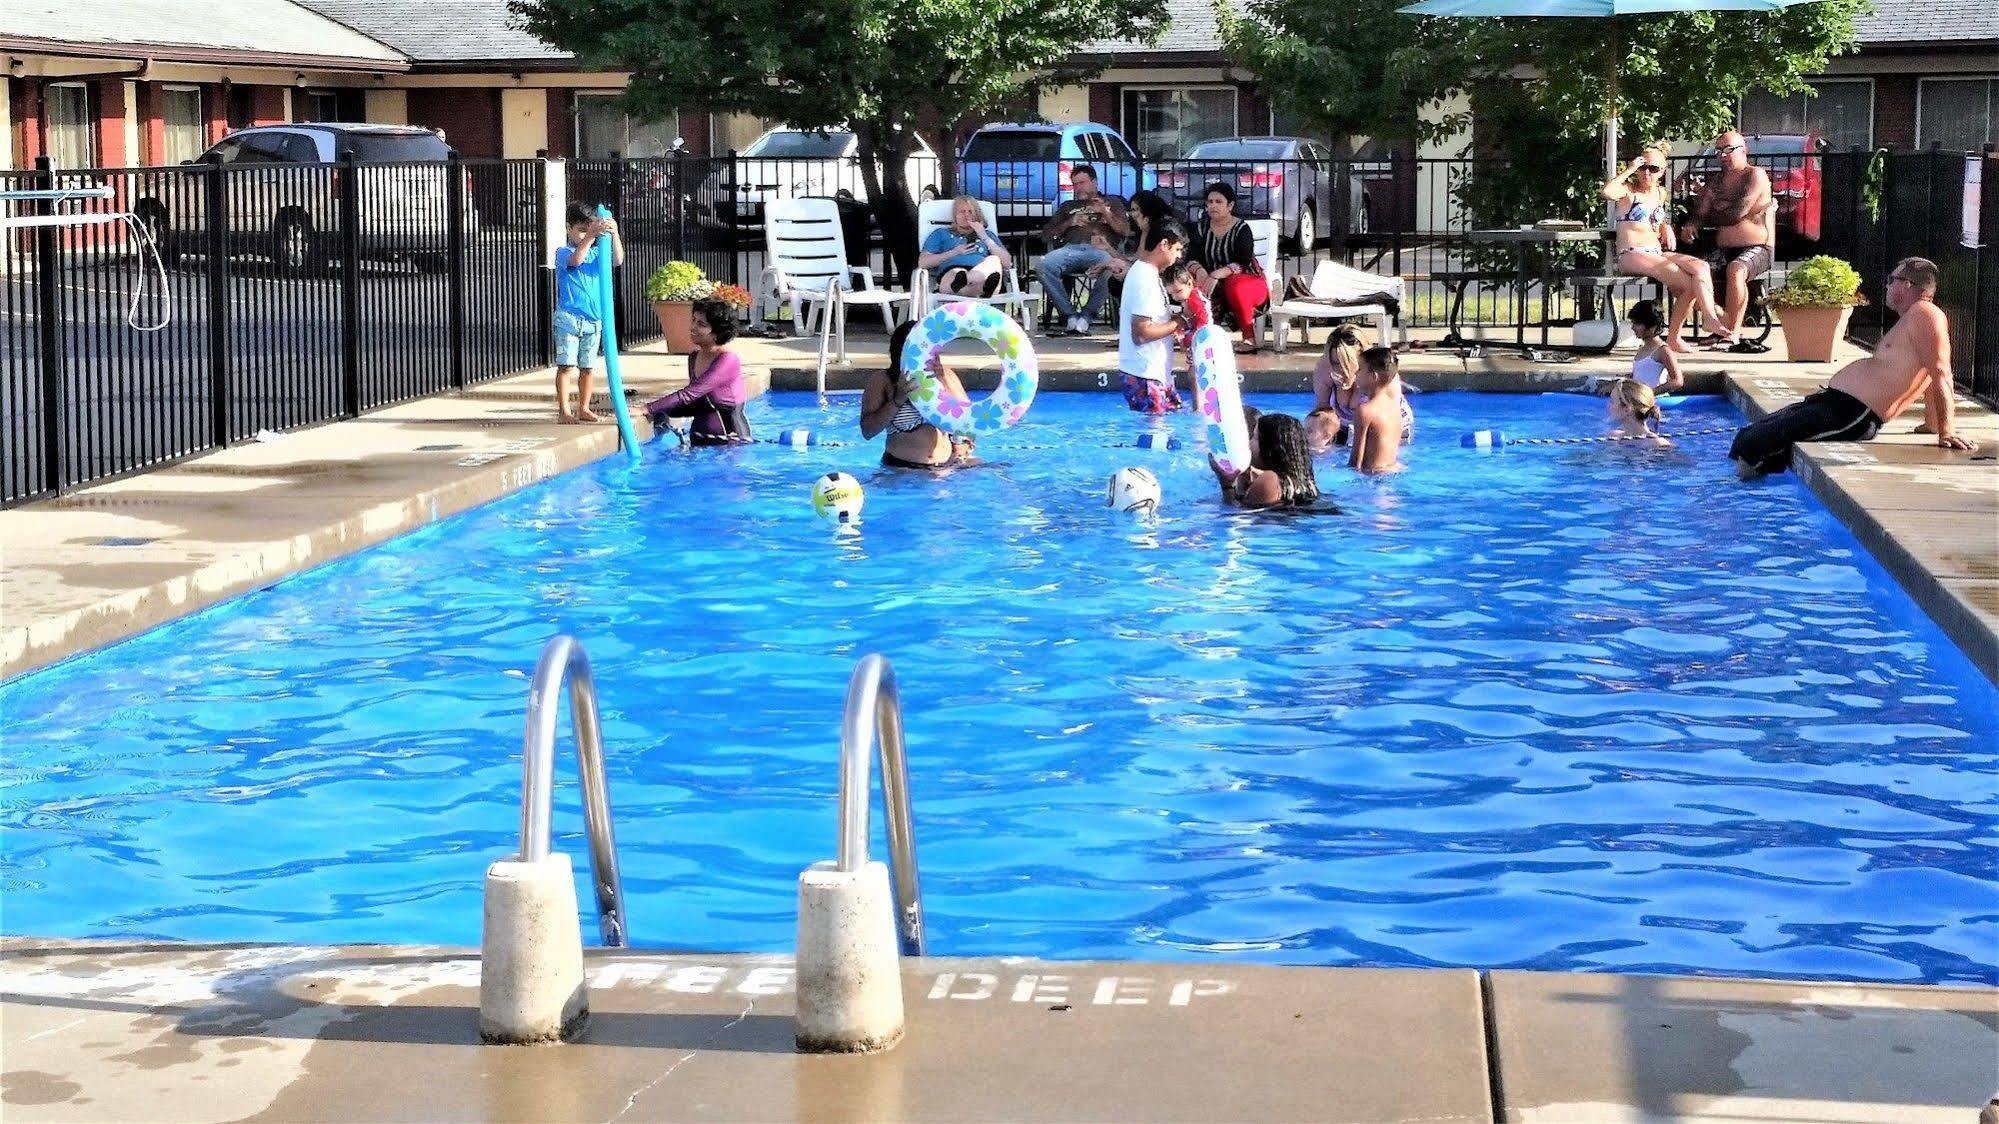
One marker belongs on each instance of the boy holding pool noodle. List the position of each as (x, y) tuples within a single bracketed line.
[(579, 322), (1146, 328)]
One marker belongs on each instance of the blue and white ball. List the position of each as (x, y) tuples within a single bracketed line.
[(837, 496), (1133, 491)]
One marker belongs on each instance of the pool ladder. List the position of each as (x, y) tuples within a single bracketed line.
[(562, 659), (874, 718)]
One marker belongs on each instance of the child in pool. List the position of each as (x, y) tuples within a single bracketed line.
[(1635, 413), (1378, 420), (1335, 390), (1655, 366), (1280, 472)]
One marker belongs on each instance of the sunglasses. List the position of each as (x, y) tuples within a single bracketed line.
[(1728, 148), (1652, 168)]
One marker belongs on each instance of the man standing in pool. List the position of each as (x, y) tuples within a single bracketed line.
[(1912, 359)]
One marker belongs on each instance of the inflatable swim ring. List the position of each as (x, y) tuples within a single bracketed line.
[(1020, 372), (1218, 394)]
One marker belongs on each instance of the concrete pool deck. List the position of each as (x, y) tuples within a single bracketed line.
[(107, 562), (117, 1031)]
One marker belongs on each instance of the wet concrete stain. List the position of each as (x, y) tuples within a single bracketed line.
[(33, 1087)]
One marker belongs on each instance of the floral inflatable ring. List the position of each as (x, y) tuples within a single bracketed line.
[(1020, 372), (1218, 394)]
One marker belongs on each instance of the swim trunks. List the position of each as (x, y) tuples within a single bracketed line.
[(1829, 415), (1758, 259), (1148, 397)]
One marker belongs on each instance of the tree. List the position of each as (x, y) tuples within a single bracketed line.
[(890, 70), (1540, 88)]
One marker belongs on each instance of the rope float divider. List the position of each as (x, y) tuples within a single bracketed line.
[(1496, 439)]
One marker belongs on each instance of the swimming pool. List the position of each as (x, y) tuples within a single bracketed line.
[(1592, 707)]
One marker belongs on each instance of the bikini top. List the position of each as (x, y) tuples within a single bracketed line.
[(907, 419), (1640, 209)]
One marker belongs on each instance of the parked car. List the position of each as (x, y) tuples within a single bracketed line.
[(293, 217), (787, 163), (1023, 168), (1796, 179), (1290, 179)]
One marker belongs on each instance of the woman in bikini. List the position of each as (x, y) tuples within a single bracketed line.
[(888, 404), (1645, 246)]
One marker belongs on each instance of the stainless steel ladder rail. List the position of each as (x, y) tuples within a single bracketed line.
[(562, 659), (874, 718)]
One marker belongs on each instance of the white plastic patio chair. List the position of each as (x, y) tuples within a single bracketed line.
[(1018, 302), (1338, 293), (806, 264)]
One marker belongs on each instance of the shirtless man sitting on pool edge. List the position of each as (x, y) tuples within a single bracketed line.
[(1912, 359)]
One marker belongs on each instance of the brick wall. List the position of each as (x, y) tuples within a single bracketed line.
[(109, 96), (1895, 110), (469, 118)]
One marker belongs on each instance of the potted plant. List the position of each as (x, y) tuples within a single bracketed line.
[(1813, 307), (735, 296), (673, 288)]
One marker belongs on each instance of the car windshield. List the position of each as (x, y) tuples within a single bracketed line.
[(1240, 150), (388, 148), (800, 146), (1014, 145)]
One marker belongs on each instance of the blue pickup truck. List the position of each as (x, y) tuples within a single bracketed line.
[(1023, 169)]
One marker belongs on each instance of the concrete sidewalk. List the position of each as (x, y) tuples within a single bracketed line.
[(110, 1031)]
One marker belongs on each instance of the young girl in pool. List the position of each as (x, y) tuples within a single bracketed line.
[(1655, 365), (1634, 412), (1280, 472), (887, 404)]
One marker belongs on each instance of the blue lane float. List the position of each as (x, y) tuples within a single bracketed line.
[(1156, 441), (1497, 439), (607, 303)]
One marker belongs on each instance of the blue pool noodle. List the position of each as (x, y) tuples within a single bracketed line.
[(607, 299)]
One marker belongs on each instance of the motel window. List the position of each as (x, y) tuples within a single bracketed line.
[(1839, 112), (183, 127), (603, 127), (72, 143), (1164, 123), (1960, 114), (319, 105)]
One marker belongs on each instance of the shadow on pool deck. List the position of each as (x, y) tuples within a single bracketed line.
[(107, 1031)]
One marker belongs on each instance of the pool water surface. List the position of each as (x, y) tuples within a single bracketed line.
[(1590, 707)]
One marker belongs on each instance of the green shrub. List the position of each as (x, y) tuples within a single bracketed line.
[(1822, 282), (678, 281)]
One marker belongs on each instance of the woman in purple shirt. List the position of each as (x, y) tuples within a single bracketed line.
[(714, 394)]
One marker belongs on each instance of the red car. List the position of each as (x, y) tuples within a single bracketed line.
[(1796, 179)]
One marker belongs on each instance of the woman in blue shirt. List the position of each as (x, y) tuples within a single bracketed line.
[(965, 258)]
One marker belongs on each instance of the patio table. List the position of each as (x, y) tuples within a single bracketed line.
[(1520, 238)]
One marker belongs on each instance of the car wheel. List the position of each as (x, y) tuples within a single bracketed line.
[(1308, 229), (294, 246), (153, 217), (432, 263)]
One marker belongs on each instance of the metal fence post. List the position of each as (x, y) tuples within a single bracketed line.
[(454, 235), (221, 402), (676, 245), (350, 285), (48, 324)]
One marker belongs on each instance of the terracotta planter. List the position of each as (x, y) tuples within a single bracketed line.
[(1810, 334), (675, 320)]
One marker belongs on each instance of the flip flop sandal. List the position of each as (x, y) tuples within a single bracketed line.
[(1748, 347)]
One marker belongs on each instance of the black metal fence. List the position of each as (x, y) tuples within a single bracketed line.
[(292, 294)]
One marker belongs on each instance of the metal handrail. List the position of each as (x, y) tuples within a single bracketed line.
[(874, 707), (562, 658)]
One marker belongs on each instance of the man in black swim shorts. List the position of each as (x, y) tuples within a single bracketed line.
[(1912, 361), (1738, 204)]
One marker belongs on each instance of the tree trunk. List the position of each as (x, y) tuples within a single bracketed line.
[(884, 155)]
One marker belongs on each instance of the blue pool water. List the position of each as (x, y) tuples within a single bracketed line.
[(1591, 707)]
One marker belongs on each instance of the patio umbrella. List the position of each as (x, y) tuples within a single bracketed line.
[(1590, 9)]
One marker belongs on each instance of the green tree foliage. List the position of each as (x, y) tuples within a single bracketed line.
[(1540, 89), (889, 69)]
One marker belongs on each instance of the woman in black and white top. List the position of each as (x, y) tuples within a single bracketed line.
[(1225, 265)]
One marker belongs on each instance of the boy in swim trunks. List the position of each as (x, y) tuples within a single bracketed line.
[(1145, 328), (1377, 421), (1912, 359)]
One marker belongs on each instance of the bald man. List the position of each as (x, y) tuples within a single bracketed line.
[(1738, 204), (1912, 359)]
